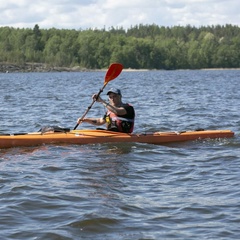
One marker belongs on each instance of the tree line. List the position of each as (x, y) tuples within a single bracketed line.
[(139, 47)]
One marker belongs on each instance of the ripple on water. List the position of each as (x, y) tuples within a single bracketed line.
[(122, 191)]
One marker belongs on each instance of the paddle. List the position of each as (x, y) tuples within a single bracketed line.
[(113, 71)]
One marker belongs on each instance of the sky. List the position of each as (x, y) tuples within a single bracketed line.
[(100, 14)]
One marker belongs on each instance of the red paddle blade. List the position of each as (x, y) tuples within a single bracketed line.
[(113, 71)]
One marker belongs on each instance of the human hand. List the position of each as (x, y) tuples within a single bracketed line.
[(97, 98), (80, 120)]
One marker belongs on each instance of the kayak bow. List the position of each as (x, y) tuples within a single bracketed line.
[(103, 136)]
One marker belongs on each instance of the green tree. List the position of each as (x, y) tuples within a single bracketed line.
[(140, 46)]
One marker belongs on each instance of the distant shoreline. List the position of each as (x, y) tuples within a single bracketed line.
[(39, 67)]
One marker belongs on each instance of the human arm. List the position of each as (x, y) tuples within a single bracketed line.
[(93, 121), (117, 110)]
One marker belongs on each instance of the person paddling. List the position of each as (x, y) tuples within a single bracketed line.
[(119, 116)]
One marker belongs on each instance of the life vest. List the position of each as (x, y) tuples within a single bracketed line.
[(119, 123)]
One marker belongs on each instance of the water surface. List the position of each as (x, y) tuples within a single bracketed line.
[(122, 191)]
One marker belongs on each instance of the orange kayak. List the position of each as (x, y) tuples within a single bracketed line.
[(103, 136)]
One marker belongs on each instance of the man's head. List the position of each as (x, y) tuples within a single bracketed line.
[(114, 90), (115, 96)]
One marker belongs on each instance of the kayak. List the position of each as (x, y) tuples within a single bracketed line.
[(104, 136)]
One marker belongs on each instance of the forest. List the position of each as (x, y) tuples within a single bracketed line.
[(139, 47)]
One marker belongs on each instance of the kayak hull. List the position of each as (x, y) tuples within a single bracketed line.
[(102, 136)]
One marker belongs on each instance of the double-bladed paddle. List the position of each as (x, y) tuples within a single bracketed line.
[(113, 71)]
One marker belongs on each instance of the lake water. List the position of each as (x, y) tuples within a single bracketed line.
[(122, 191)]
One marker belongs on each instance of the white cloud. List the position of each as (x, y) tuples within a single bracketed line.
[(76, 14)]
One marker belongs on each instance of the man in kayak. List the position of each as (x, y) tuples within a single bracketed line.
[(119, 116)]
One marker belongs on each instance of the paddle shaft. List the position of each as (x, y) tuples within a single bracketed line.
[(90, 106), (114, 70)]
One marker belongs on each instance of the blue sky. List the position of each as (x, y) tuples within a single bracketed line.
[(83, 14)]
